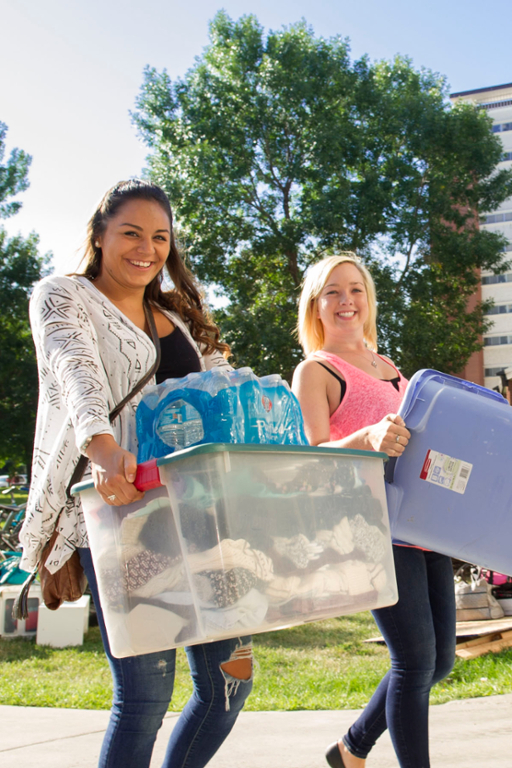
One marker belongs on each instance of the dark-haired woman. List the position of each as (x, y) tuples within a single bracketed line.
[(93, 346)]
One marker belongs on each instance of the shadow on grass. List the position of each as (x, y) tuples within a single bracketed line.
[(346, 631), (18, 649)]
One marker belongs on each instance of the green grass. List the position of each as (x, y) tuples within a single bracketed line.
[(20, 497), (324, 665)]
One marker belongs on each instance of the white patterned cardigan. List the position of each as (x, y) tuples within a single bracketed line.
[(89, 356)]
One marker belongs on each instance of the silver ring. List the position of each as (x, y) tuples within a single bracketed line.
[(111, 498), (397, 439)]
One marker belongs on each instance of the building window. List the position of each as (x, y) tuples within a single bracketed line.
[(495, 104), (493, 279), (506, 156), (495, 371), (495, 341), (500, 127), (494, 217), (499, 309)]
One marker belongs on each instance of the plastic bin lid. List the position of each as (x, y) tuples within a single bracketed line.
[(209, 448), (425, 375)]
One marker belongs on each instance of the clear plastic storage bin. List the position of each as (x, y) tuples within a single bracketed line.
[(451, 489), (239, 539)]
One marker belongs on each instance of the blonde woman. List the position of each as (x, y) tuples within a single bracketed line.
[(350, 395)]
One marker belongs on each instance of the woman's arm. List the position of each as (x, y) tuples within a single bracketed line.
[(216, 360), (113, 471), (67, 344), (310, 387)]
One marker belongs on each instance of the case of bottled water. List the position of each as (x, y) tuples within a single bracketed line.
[(217, 406)]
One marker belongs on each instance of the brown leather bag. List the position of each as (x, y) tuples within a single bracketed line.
[(65, 585), (68, 584)]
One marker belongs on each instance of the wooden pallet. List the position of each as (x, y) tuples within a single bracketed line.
[(474, 638)]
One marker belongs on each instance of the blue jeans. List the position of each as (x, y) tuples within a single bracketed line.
[(420, 634), (143, 687)]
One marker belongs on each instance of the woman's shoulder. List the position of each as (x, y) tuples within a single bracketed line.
[(304, 365), (64, 294), (170, 313), (62, 284), (321, 360), (309, 370)]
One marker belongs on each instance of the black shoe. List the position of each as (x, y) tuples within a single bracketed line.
[(333, 756)]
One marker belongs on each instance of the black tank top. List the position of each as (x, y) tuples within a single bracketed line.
[(178, 357)]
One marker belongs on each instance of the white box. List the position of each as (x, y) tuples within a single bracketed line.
[(506, 604), (65, 626), (10, 627)]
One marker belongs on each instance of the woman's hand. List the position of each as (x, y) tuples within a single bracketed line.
[(389, 435), (113, 471)]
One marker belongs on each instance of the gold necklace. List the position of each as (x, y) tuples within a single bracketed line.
[(373, 361)]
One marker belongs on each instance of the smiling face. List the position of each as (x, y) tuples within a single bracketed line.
[(134, 247), (342, 305)]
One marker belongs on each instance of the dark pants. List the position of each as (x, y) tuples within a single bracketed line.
[(420, 634), (143, 688)]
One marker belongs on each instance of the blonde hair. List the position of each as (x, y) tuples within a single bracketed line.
[(309, 327)]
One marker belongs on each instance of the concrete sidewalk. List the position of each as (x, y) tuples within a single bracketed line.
[(474, 733)]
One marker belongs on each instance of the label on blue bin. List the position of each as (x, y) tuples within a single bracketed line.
[(445, 471)]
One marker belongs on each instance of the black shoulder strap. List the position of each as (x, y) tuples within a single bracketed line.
[(83, 460), (336, 376)]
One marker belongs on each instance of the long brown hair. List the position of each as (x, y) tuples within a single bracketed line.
[(185, 298)]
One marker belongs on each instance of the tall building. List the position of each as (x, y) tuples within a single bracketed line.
[(497, 351)]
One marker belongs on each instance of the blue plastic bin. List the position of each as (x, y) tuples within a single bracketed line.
[(451, 490)]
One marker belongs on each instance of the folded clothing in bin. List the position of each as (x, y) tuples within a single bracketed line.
[(451, 489), (241, 539)]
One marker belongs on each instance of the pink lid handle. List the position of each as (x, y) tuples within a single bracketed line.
[(148, 476)]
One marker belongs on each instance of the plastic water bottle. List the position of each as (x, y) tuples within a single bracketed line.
[(171, 416), (256, 411), (284, 409), (179, 425), (226, 417)]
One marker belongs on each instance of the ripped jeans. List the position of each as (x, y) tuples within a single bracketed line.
[(143, 687)]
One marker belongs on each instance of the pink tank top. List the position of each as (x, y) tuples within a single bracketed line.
[(366, 401)]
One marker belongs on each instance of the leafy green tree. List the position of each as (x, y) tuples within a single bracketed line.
[(20, 267), (276, 150)]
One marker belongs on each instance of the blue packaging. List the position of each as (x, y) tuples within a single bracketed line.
[(169, 416), (217, 406), (284, 410), (257, 420)]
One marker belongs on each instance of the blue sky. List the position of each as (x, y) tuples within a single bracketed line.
[(71, 70)]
